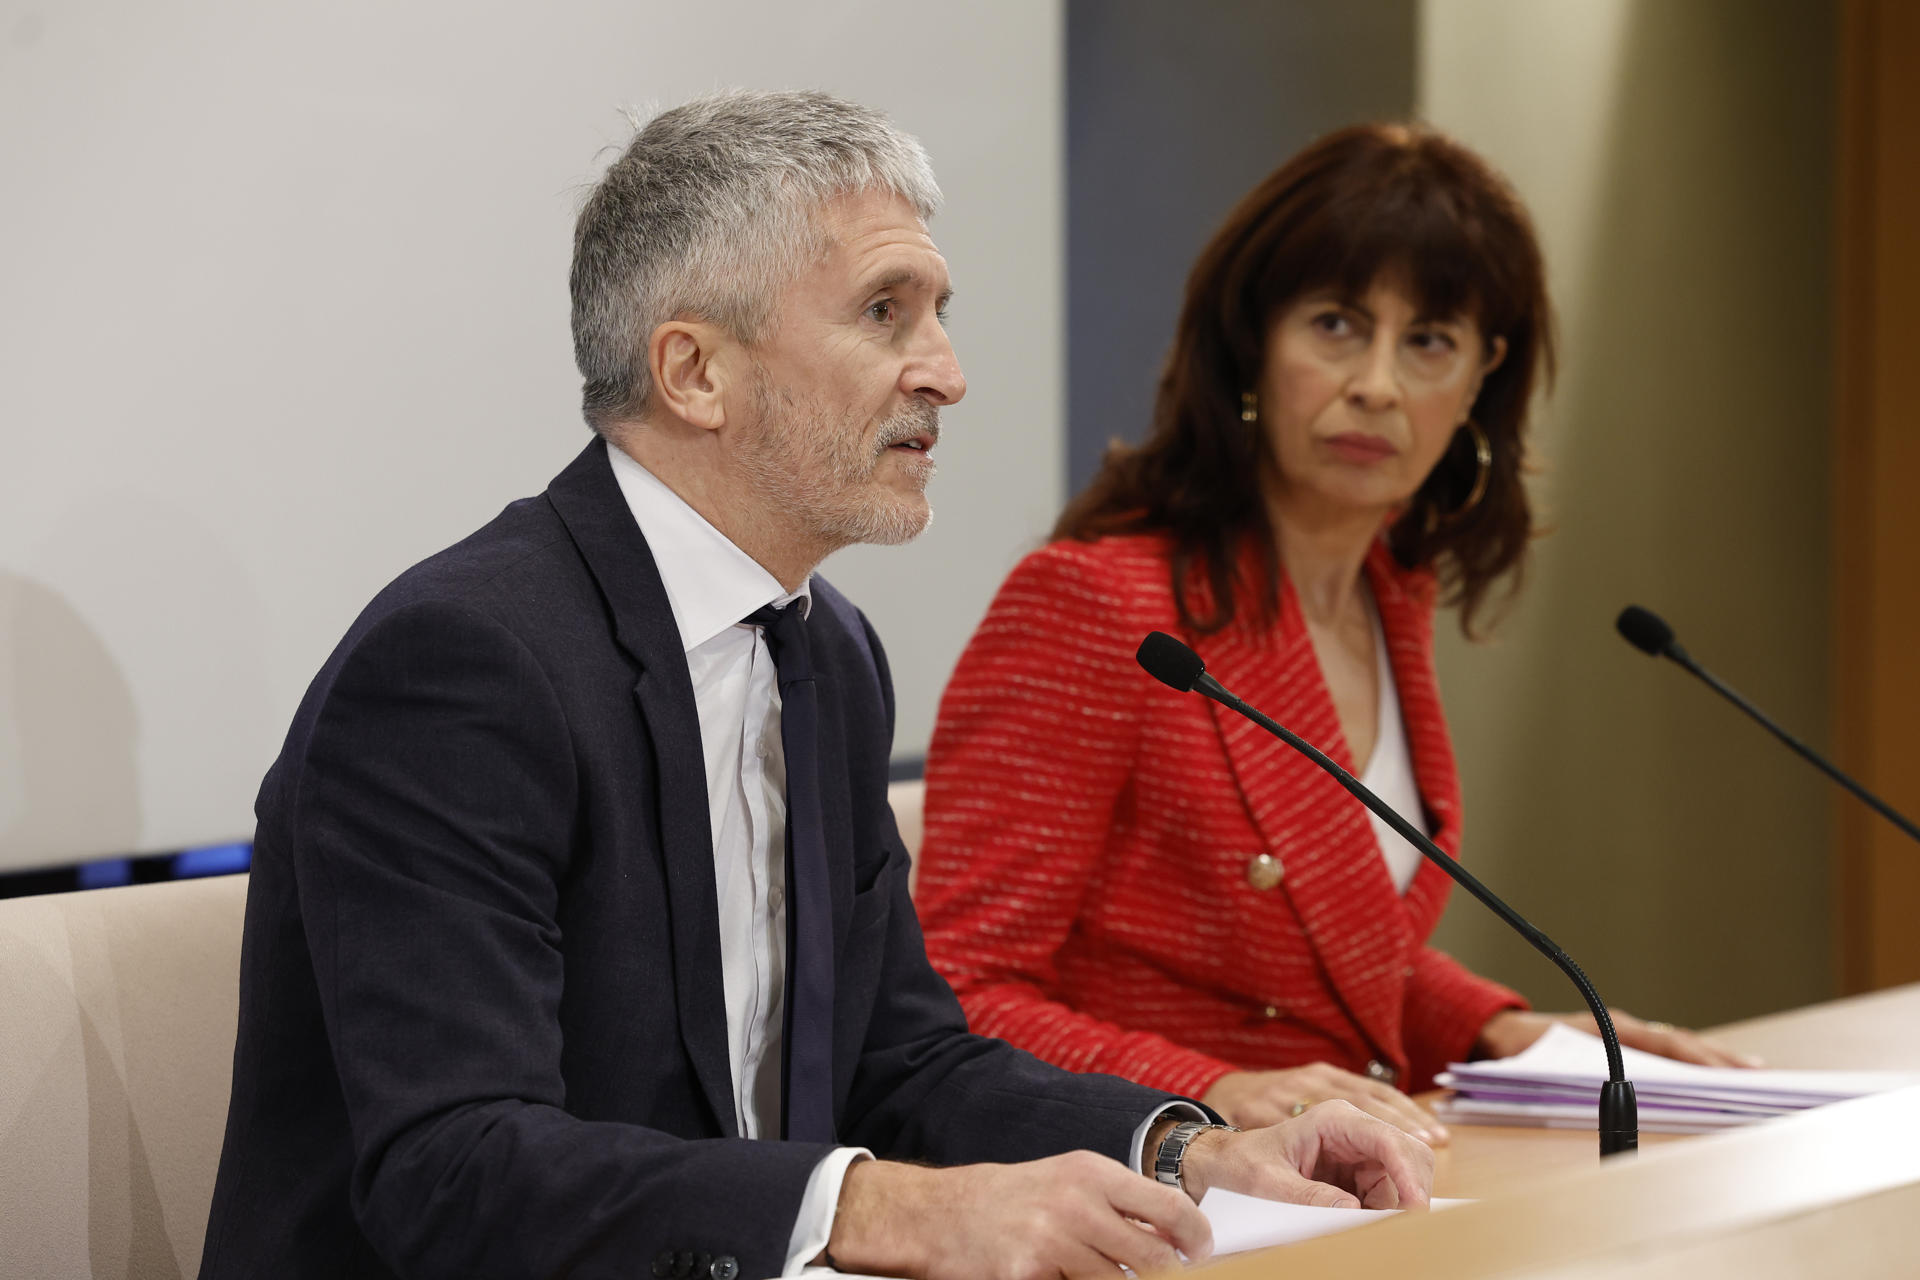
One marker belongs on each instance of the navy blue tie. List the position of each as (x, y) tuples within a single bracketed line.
[(807, 1081)]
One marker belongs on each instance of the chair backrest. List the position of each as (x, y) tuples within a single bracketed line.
[(117, 1016), (908, 799)]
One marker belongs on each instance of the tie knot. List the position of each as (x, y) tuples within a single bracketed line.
[(786, 634), (766, 615)]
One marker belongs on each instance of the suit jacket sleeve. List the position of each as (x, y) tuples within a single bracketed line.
[(1446, 1006), (1039, 734), (433, 818), (926, 1089)]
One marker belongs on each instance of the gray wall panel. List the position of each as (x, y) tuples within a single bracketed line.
[(1173, 112)]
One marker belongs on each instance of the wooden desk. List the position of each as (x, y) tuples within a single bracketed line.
[(1831, 1191), (1873, 1032)]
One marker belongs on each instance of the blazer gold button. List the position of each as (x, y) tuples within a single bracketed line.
[(1377, 1070), (1271, 1011), (1263, 871)]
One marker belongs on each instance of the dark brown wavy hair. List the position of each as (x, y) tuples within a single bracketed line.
[(1394, 201)]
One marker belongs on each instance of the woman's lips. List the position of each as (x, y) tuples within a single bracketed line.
[(1358, 447)]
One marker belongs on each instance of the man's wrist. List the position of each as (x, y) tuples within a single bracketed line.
[(880, 1201), (1169, 1155), (1156, 1135), (1200, 1162)]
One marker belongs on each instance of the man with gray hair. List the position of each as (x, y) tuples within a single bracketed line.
[(578, 941)]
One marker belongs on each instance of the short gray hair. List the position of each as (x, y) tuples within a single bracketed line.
[(710, 213)]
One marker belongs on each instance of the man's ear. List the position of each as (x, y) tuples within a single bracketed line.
[(690, 368)]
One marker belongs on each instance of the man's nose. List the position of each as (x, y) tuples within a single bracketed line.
[(934, 373)]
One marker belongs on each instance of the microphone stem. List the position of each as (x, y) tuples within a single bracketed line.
[(1616, 1068), (1805, 752)]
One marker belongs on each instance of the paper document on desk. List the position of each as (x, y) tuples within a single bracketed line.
[(1556, 1083), (1242, 1222)]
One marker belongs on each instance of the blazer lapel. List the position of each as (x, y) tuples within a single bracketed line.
[(589, 502), (1331, 869)]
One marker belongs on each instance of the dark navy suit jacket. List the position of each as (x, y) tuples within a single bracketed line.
[(481, 1015)]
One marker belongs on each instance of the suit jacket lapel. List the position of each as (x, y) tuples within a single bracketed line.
[(589, 502), (1331, 869)]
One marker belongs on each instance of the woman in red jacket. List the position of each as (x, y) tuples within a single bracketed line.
[(1120, 879)]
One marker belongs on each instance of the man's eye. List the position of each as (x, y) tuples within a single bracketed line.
[(882, 311)]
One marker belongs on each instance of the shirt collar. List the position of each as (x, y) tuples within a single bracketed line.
[(711, 583)]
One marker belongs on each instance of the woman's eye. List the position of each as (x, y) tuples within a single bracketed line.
[(1332, 323), (1433, 342)]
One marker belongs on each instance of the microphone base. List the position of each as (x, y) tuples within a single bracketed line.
[(1619, 1118)]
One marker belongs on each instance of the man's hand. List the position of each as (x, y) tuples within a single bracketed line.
[(1072, 1215), (1254, 1099), (1511, 1030), (1334, 1155)]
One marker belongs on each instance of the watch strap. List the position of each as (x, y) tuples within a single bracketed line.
[(1169, 1160)]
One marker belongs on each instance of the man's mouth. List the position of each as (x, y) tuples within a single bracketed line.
[(918, 444)]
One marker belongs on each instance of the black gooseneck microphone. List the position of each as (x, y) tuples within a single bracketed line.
[(1174, 664), (1648, 632)]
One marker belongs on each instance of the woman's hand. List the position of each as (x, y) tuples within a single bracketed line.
[(1511, 1030), (1255, 1099)]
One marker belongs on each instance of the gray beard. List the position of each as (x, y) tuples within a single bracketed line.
[(811, 471)]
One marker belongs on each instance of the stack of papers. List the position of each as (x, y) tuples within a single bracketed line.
[(1556, 1084)]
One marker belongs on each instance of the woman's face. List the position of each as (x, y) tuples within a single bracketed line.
[(1360, 396)]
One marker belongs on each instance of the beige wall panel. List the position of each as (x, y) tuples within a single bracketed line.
[(1678, 158)]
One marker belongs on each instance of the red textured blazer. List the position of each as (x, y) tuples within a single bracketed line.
[(1087, 881)]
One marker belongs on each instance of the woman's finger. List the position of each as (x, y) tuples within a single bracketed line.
[(1677, 1043), (1323, 1082), (1690, 1046), (1399, 1110)]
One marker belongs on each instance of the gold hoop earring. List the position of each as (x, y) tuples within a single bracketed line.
[(1482, 476), (1249, 407), (1483, 468)]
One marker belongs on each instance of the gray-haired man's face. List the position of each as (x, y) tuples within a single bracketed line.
[(850, 379)]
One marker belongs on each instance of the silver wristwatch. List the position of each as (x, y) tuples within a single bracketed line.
[(1168, 1161)]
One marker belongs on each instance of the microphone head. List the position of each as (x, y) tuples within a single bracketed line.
[(1170, 662), (1645, 630)]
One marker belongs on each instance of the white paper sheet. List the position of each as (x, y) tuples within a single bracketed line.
[(1242, 1222)]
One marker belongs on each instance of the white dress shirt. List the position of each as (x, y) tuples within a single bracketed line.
[(711, 584), (1389, 773)]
